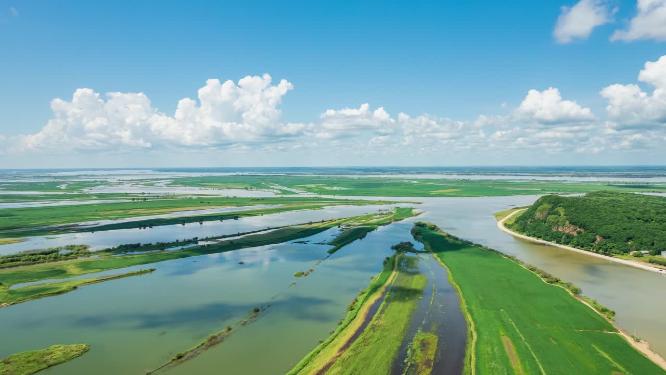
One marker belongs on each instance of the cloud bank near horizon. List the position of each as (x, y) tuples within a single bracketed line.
[(246, 115)]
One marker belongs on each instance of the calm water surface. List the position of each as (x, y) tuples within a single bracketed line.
[(137, 323)]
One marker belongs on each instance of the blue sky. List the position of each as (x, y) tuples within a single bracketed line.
[(449, 60)]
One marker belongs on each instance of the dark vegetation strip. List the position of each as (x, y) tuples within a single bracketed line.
[(30, 362), (149, 223), (521, 322), (53, 254)]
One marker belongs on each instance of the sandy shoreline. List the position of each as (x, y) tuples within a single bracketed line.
[(631, 263), (640, 345)]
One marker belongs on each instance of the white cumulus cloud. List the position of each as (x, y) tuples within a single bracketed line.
[(342, 122), (630, 105), (578, 21), (648, 23), (548, 107), (225, 113)]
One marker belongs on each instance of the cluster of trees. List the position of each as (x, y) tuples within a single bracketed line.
[(404, 247), (604, 222), (46, 255)]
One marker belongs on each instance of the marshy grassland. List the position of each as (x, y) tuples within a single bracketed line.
[(383, 186), (30, 362), (354, 349), (48, 220), (521, 324), (112, 259)]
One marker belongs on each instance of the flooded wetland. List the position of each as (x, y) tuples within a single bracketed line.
[(262, 308)]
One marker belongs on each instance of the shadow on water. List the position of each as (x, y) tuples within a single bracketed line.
[(302, 308)]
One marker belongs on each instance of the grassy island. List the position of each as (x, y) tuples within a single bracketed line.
[(26, 363)]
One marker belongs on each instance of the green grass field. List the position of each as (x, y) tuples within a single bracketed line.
[(26, 363), (524, 325), (403, 187), (377, 346), (19, 222)]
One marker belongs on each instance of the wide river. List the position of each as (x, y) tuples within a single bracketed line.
[(135, 324)]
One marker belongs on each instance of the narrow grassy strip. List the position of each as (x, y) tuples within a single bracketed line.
[(27, 293), (377, 346), (327, 349), (26, 363), (9, 241), (210, 341), (53, 254), (421, 353), (523, 323), (155, 222), (33, 221)]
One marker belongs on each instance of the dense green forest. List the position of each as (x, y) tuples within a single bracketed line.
[(604, 222)]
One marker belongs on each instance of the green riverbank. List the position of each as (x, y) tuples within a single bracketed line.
[(519, 323), (354, 349)]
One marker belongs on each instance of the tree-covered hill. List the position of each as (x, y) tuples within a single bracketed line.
[(604, 222)]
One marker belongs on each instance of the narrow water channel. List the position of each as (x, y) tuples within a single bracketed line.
[(438, 312)]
